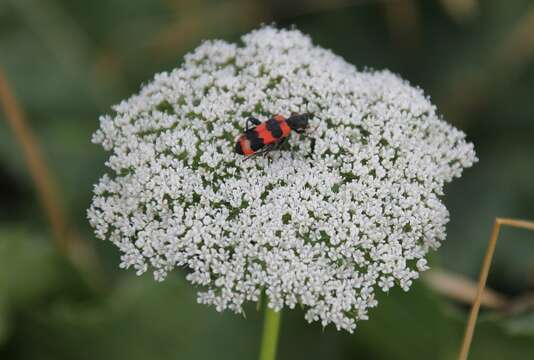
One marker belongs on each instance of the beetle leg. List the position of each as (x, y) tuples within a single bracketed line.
[(263, 151), (268, 149), (279, 144)]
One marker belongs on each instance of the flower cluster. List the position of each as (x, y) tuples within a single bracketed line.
[(350, 209)]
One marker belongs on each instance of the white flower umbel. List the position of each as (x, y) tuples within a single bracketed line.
[(350, 209)]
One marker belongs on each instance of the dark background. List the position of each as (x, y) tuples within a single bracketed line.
[(68, 61)]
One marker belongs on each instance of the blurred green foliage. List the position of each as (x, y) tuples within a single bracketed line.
[(69, 61)]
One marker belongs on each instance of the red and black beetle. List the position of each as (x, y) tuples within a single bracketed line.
[(269, 135)]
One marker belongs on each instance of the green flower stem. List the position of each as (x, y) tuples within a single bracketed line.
[(271, 328)]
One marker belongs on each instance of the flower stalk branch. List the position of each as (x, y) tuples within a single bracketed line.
[(484, 272), (271, 330)]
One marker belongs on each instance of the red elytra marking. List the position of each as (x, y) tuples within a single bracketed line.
[(285, 128), (283, 125), (261, 127), (265, 135), (245, 146)]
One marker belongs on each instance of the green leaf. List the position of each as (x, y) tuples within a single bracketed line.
[(521, 324), (141, 319), (32, 275), (4, 323), (408, 326), (29, 267)]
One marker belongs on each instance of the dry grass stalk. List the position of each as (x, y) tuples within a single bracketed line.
[(66, 239), (488, 257), (46, 189)]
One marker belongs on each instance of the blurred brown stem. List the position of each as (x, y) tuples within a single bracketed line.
[(463, 289), (402, 17), (44, 185), (461, 10), (471, 88), (488, 257)]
